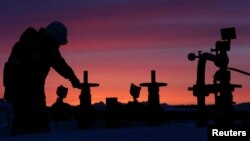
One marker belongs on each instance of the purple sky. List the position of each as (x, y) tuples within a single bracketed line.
[(120, 41)]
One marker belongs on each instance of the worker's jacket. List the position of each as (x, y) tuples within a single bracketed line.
[(29, 63)]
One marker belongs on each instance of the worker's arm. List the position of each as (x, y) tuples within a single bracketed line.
[(60, 65)]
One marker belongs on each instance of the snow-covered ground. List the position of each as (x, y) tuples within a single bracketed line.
[(68, 131), (177, 131), (5, 116)]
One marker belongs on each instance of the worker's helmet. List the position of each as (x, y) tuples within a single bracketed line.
[(57, 31)]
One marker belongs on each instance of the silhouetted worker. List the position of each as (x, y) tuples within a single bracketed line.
[(61, 111), (25, 73)]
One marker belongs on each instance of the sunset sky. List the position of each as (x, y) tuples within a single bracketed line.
[(120, 41)]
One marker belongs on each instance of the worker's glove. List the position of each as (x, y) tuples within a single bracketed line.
[(75, 83)]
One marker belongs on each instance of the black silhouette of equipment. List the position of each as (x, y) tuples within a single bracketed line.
[(153, 81), (240, 71), (222, 88), (85, 96), (153, 90), (135, 91), (86, 83)]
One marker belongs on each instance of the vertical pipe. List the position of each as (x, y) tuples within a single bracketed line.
[(153, 76), (85, 77)]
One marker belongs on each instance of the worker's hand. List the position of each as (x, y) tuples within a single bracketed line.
[(86, 89), (76, 83)]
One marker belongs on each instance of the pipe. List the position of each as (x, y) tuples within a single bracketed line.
[(240, 71), (202, 67)]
